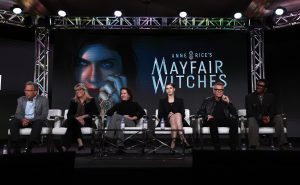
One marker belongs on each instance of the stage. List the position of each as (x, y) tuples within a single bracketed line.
[(198, 164)]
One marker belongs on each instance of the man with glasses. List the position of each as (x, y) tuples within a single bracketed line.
[(32, 111), (262, 111), (218, 111)]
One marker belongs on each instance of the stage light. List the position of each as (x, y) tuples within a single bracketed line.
[(182, 14), (61, 13), (280, 11), (16, 9), (118, 13), (238, 15)]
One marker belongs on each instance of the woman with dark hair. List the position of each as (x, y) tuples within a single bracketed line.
[(104, 67), (128, 111), (172, 110)]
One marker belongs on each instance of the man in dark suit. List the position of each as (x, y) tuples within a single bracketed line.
[(218, 111), (262, 110), (32, 111)]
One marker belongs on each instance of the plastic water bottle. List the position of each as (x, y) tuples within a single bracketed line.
[(122, 123), (162, 124), (244, 146), (5, 151), (145, 123)]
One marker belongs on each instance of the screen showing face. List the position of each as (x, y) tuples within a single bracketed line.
[(147, 62)]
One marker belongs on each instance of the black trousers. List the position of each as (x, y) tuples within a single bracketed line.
[(36, 128), (73, 131), (233, 130)]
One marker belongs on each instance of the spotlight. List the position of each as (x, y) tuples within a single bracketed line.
[(237, 15), (280, 11), (16, 9), (61, 13), (182, 14), (118, 13)]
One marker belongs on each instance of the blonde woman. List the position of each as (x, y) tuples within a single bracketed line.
[(81, 110)]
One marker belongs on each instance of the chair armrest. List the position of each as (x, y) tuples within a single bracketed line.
[(53, 119), (97, 119), (154, 118), (284, 118), (192, 117), (11, 117)]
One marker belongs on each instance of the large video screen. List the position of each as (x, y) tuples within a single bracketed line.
[(146, 62)]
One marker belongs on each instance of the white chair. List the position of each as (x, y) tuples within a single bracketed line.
[(268, 131), (159, 131), (59, 130), (52, 119), (205, 130)]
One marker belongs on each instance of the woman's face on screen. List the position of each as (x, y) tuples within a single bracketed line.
[(96, 63)]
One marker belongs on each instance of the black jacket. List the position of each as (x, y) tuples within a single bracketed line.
[(208, 105), (164, 109), (90, 108), (127, 108), (256, 109)]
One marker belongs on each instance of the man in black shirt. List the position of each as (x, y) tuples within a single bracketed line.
[(262, 110), (216, 111)]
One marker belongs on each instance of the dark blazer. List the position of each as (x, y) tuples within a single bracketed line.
[(255, 109), (40, 111), (165, 108), (90, 108)]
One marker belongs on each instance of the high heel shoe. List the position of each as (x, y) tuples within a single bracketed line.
[(184, 142), (172, 147), (187, 145), (80, 147)]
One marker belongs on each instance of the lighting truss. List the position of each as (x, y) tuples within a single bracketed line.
[(257, 56), (287, 20), (42, 59), (7, 17), (146, 23)]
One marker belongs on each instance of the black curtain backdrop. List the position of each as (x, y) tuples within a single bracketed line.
[(282, 59)]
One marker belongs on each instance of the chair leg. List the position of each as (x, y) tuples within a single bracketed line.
[(93, 144), (9, 145), (49, 143)]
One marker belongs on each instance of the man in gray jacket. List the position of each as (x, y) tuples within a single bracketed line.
[(32, 111)]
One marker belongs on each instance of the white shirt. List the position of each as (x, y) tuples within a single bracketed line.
[(29, 110)]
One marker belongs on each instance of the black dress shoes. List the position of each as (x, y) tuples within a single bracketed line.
[(284, 147), (28, 150), (80, 147)]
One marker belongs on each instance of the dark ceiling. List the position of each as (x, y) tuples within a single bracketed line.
[(159, 8)]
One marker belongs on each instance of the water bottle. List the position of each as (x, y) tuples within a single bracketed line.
[(162, 124), (122, 123), (145, 123), (5, 151), (290, 146), (244, 146)]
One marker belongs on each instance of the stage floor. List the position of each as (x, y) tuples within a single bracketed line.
[(269, 165)]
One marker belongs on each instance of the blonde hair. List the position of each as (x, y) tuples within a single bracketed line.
[(82, 86)]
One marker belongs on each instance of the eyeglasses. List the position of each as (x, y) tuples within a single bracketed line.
[(260, 85), (26, 90), (219, 90)]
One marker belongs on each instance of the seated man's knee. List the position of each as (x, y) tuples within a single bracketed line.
[(252, 121), (277, 119)]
